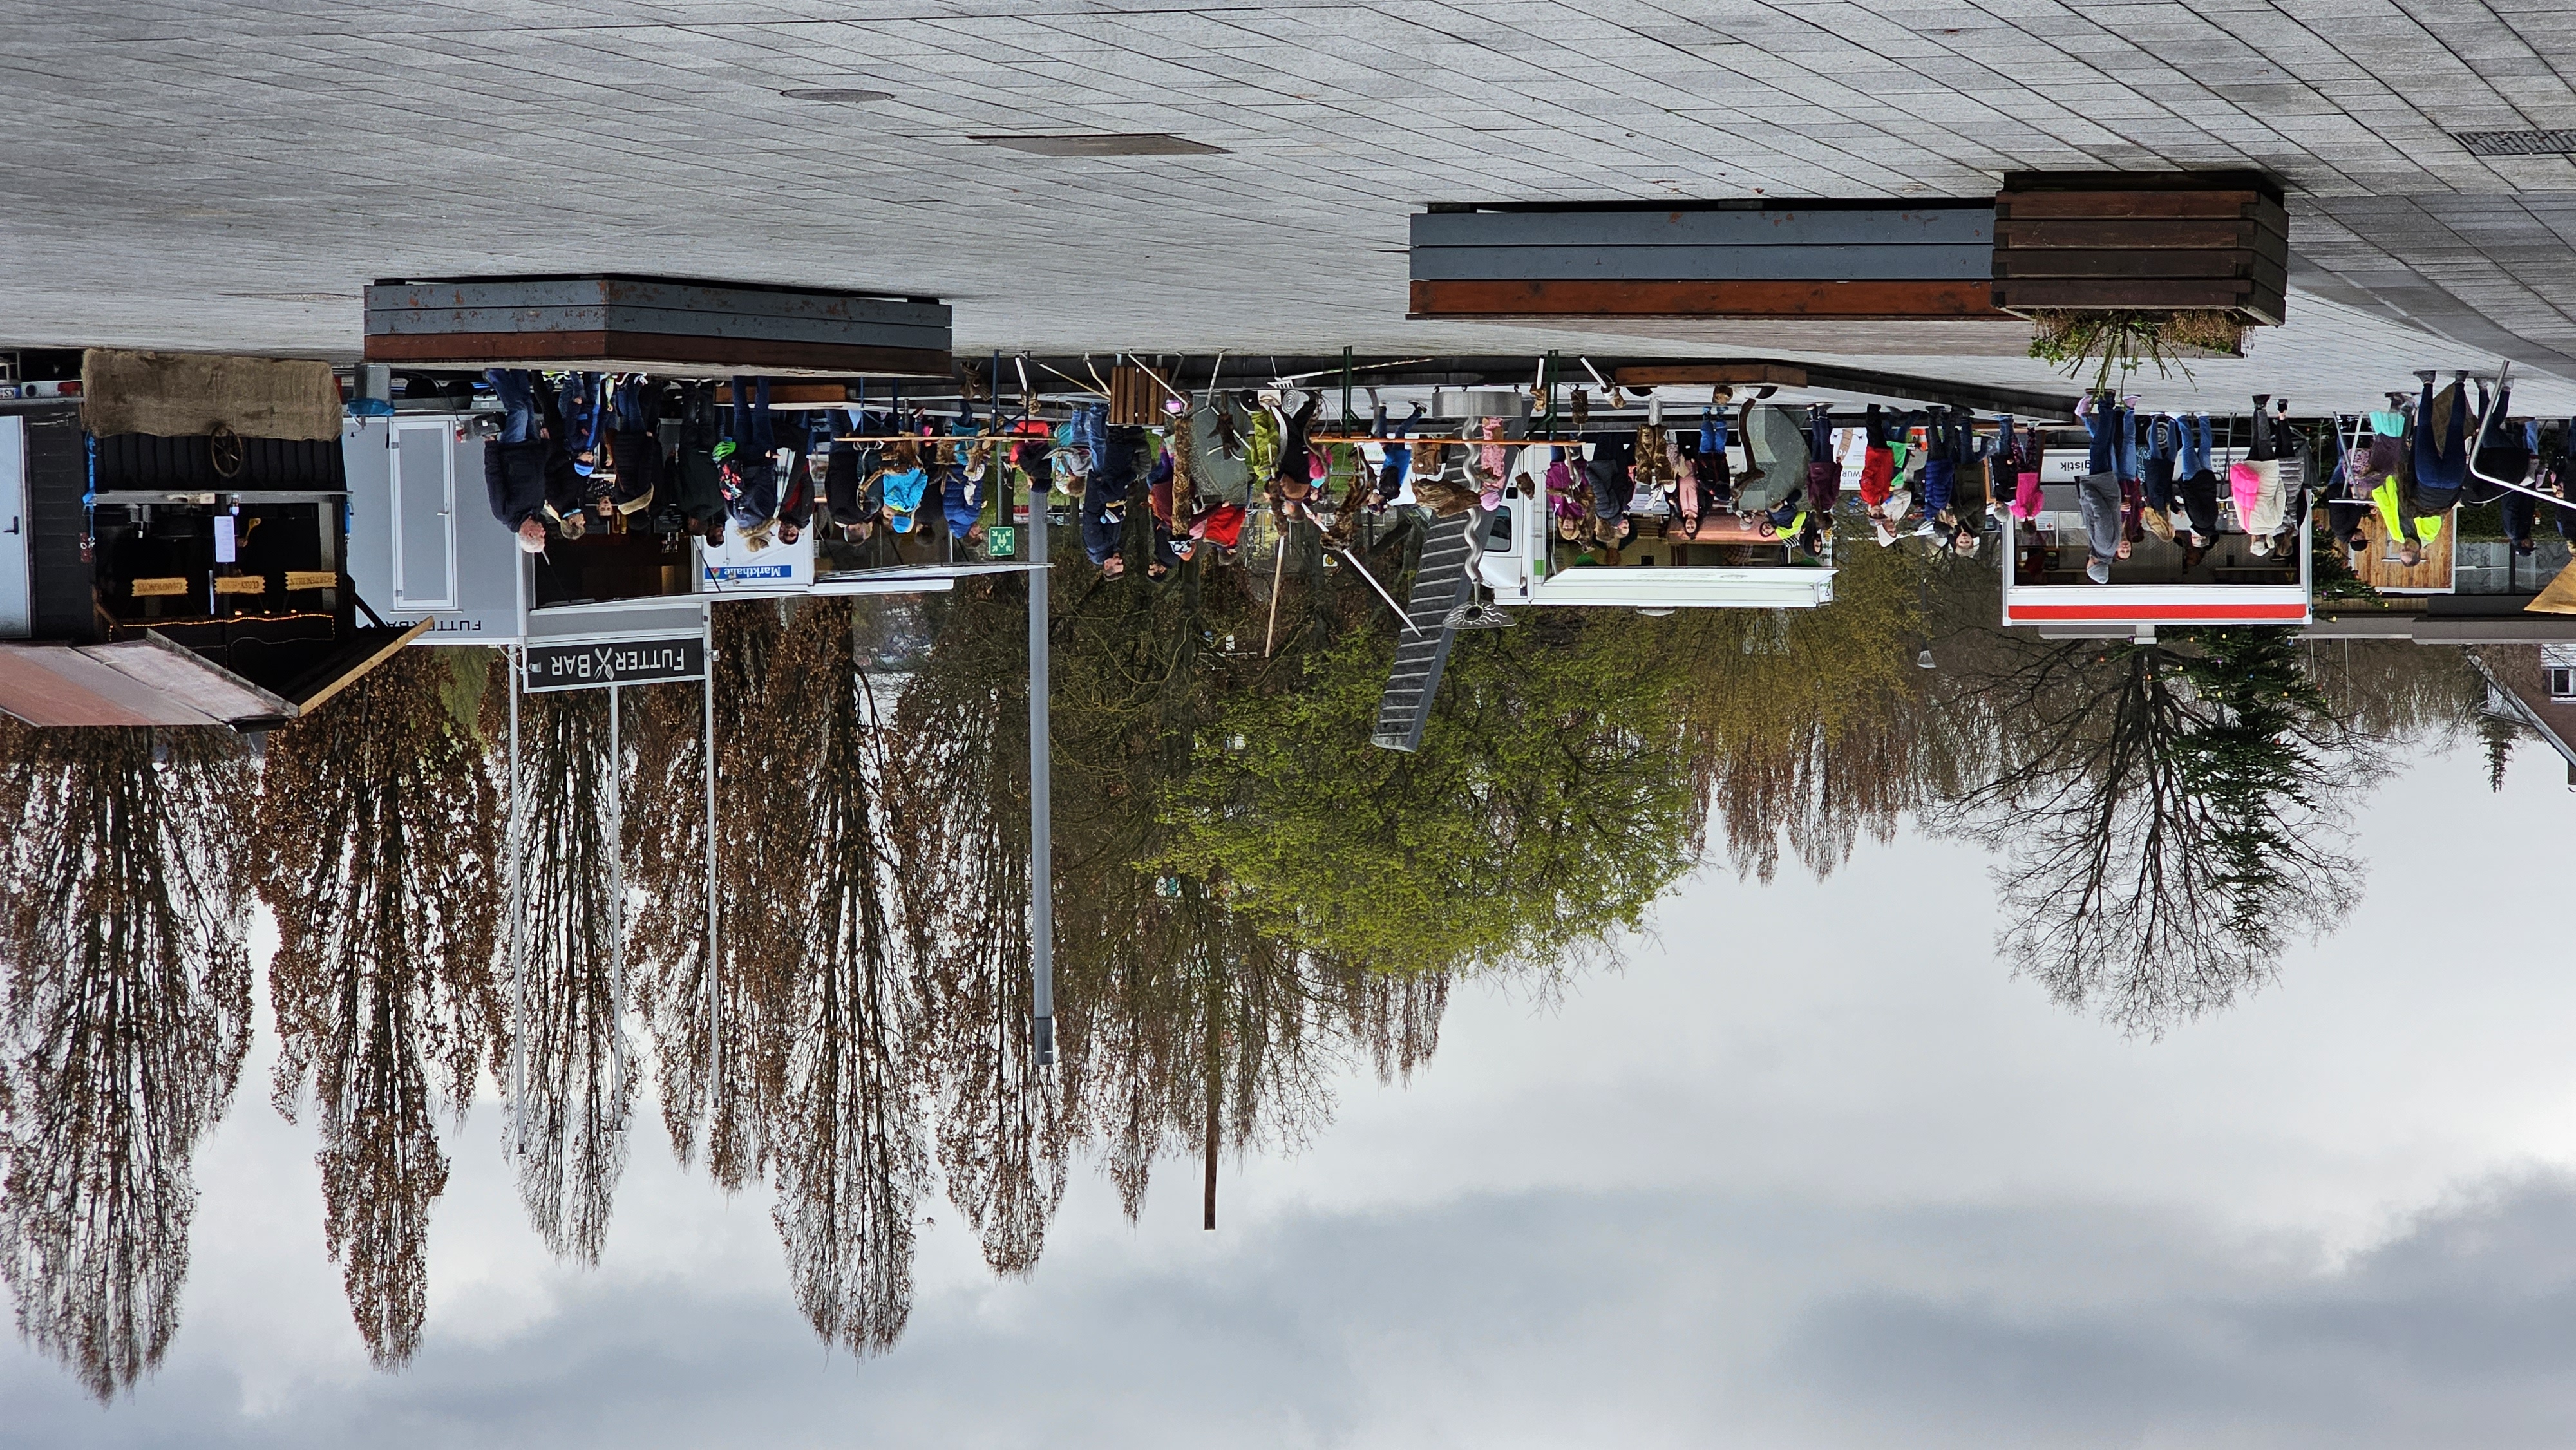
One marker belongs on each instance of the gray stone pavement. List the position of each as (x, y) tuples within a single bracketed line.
[(228, 175)]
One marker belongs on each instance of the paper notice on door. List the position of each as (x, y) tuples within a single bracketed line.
[(224, 550)]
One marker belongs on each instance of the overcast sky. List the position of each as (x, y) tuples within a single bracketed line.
[(1807, 1171)]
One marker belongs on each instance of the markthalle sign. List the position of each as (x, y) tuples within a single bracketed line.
[(597, 664)]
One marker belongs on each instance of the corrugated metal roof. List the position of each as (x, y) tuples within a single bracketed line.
[(147, 681), (60, 685)]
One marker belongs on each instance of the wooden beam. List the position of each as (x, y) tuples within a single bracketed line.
[(2107, 205), (351, 677), (2138, 234), (2028, 406), (608, 351), (795, 395), (2021, 182), (1732, 374), (1841, 301), (2161, 266), (2115, 294)]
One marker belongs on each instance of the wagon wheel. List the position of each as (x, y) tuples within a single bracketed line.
[(226, 447)]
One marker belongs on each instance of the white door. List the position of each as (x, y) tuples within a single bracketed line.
[(17, 614), (423, 513)]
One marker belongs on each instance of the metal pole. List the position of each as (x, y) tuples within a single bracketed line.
[(1041, 803), (616, 843), (1215, 1105), (516, 854), (715, 999), (517, 851), (1278, 563)]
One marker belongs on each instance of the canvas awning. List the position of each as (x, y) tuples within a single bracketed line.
[(152, 681), (189, 395)]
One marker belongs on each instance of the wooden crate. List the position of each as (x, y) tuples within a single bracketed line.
[(1136, 396), (2179, 241)]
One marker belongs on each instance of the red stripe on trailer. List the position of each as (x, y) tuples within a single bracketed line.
[(2161, 613)]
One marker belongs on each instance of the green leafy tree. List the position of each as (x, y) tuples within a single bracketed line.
[(1551, 802)]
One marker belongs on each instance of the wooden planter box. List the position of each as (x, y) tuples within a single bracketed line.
[(658, 325), (1811, 260), (2182, 241)]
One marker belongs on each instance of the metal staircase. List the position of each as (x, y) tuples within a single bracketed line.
[(1421, 653)]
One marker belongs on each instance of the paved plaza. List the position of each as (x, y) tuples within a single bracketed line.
[(229, 175)]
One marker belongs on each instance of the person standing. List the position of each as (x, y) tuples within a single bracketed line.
[(2098, 493), (514, 462), (747, 463), (1104, 499)]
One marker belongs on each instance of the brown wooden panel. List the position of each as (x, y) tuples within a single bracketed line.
[(2263, 211), (1136, 397), (2245, 264), (1894, 301), (2109, 205), (2234, 262), (2018, 182), (2025, 293), (2134, 234), (613, 350), (1731, 374), (794, 395)]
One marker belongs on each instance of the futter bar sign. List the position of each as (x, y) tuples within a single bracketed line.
[(623, 662)]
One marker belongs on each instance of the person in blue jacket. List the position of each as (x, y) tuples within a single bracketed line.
[(1104, 499)]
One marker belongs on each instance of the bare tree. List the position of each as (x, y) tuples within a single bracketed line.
[(378, 847), (849, 1145), (1393, 1016), (572, 1056), (957, 811), (127, 1012), (2170, 818)]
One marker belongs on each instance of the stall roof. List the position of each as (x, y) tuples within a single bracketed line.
[(152, 681)]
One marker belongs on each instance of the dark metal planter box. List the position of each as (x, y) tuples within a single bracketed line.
[(2180, 241)]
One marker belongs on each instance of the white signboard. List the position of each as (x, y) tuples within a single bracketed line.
[(734, 564)]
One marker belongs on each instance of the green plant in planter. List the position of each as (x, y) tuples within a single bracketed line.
[(2071, 340)]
